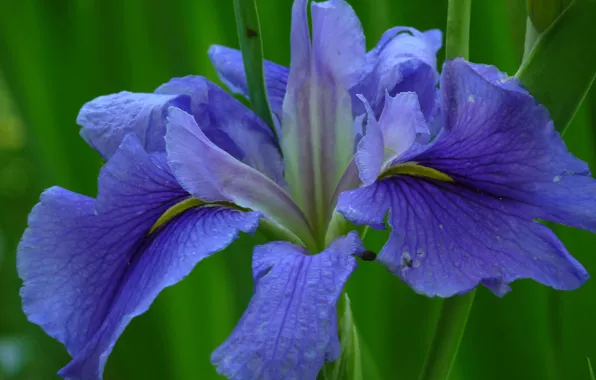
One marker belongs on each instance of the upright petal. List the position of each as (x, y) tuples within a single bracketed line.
[(403, 60), (107, 119), (89, 268), (370, 152), (446, 239), (317, 122), (230, 69), (230, 125), (213, 175), (290, 326), (497, 139), (400, 123)]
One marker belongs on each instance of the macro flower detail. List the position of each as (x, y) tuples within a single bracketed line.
[(463, 208), (290, 326), (462, 174)]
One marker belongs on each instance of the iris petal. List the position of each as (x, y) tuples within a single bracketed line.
[(90, 267), (446, 240), (213, 175), (495, 167), (107, 119), (404, 60), (317, 123), (395, 132), (290, 326), (496, 138), (230, 125), (230, 69)]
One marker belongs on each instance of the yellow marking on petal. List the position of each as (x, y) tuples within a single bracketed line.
[(413, 169), (175, 210)]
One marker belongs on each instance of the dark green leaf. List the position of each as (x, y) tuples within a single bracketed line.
[(561, 68), (544, 12), (249, 35)]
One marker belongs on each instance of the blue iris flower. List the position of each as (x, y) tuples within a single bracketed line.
[(463, 173)]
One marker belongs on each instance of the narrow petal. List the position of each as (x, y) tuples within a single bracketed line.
[(370, 152), (446, 240), (499, 140), (230, 69), (107, 119), (230, 125), (395, 132), (317, 121), (290, 326), (88, 268), (213, 175), (401, 121), (403, 60)]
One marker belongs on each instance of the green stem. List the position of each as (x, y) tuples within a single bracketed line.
[(458, 29), (455, 310), (532, 35), (448, 334), (555, 327), (249, 35)]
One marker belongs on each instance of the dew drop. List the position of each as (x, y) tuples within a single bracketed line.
[(406, 260)]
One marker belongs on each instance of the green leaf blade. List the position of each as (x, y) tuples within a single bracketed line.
[(562, 65), (349, 365), (249, 36)]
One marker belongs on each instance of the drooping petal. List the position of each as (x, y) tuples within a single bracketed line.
[(446, 239), (89, 268), (107, 119), (497, 139), (317, 123), (403, 60), (290, 326), (230, 69), (213, 175)]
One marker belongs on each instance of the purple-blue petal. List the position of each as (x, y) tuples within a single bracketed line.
[(229, 124), (497, 77), (89, 267), (447, 239), (403, 60), (500, 141), (392, 135), (213, 175), (107, 119), (290, 326), (230, 69), (317, 124)]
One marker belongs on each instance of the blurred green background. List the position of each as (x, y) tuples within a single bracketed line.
[(57, 54)]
